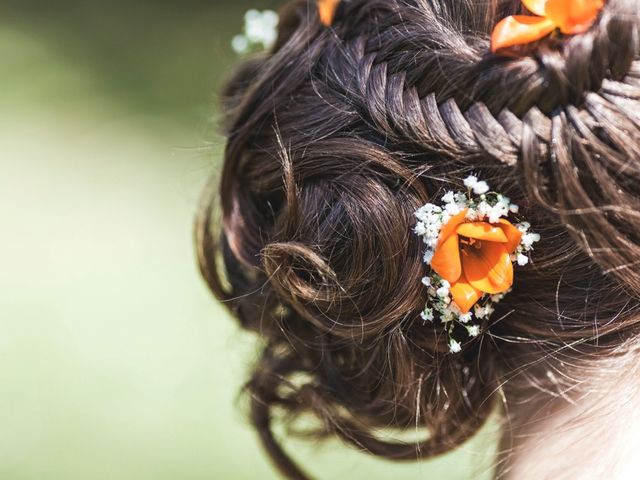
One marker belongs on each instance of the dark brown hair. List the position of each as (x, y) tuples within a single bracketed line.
[(339, 134)]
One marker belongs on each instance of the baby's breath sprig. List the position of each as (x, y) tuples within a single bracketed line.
[(259, 32)]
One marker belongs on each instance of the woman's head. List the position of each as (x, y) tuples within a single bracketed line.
[(339, 134)]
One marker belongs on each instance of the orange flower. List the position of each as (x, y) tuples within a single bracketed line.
[(570, 16), (327, 10), (474, 257)]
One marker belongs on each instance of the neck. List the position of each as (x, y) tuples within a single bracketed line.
[(589, 431)]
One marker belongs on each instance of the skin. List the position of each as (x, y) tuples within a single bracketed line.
[(590, 433)]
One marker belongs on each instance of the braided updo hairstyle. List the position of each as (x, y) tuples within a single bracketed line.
[(339, 134)]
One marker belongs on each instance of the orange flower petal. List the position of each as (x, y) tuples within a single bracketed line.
[(488, 268), (327, 10), (464, 294), (512, 233), (536, 6), (573, 16), (446, 259), (482, 231), (519, 30), (450, 227)]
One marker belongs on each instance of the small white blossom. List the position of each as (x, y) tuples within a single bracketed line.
[(443, 292), (471, 181), (483, 311), (472, 215), (446, 315), (481, 188), (260, 30), (513, 208), (484, 209), (474, 330), (497, 297), (452, 209), (260, 27), (431, 242), (522, 259), (448, 197), (465, 317), (420, 229), (427, 315), (524, 227), (426, 281), (454, 346), (495, 213), (433, 230), (528, 239), (461, 198), (240, 44), (455, 310)]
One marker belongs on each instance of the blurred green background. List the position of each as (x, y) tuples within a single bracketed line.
[(115, 361)]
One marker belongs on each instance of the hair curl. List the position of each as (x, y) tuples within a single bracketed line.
[(338, 135)]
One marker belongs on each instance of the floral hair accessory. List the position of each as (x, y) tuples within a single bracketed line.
[(471, 248), (327, 11), (569, 16), (260, 32)]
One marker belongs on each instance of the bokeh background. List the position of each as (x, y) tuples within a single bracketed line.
[(115, 361)]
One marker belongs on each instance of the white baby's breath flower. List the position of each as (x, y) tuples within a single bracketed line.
[(433, 230), (446, 315), (513, 208), (473, 330), (497, 297), (420, 228), (480, 188), (260, 27), (471, 215), (495, 213), (461, 198), (528, 239), (240, 44), (426, 281), (421, 215), (455, 310), (452, 209), (471, 181), (260, 31), (428, 256), (448, 197), (454, 346), (443, 292), (427, 315), (523, 226), (483, 209), (444, 217), (465, 317), (483, 311), (522, 259)]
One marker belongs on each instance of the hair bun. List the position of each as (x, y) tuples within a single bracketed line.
[(340, 134)]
